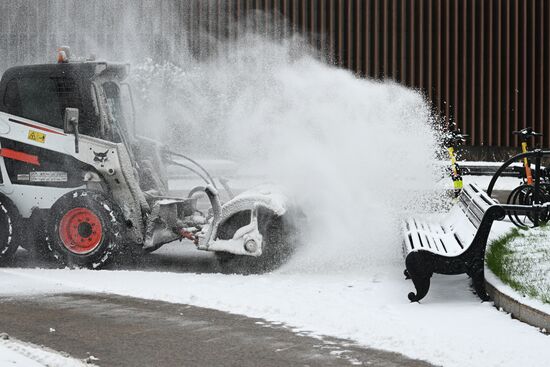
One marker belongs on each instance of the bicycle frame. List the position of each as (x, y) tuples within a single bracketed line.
[(526, 165)]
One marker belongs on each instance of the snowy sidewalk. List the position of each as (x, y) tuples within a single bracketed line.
[(450, 328), (125, 331), (16, 353)]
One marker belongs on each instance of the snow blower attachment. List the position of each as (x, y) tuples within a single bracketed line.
[(78, 186)]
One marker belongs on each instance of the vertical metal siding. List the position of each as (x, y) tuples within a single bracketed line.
[(484, 64)]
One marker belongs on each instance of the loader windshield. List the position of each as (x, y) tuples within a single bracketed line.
[(117, 106)]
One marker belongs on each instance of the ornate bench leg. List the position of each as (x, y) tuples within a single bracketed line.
[(420, 270), (477, 273)]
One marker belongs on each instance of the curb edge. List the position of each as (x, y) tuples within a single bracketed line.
[(535, 314)]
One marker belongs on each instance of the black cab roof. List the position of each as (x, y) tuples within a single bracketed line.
[(77, 70)]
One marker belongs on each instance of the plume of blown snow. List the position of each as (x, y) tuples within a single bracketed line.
[(353, 152)]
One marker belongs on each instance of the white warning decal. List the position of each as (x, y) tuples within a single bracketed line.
[(48, 176)]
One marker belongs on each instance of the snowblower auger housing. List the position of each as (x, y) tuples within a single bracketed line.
[(82, 187)]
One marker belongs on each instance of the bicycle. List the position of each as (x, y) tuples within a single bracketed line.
[(524, 194)]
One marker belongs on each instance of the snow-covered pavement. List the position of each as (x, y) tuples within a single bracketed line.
[(451, 327), (16, 353)]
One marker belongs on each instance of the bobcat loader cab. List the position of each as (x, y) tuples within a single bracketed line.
[(79, 187)]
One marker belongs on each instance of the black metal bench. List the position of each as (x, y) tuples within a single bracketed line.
[(455, 245)]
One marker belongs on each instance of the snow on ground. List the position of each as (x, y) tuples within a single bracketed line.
[(17, 353), (451, 327), (524, 263)]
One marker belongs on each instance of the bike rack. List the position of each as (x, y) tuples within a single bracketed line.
[(538, 154)]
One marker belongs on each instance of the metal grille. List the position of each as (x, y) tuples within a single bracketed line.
[(68, 93), (484, 64)]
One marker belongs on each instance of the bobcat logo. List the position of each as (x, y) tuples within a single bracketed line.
[(101, 157)]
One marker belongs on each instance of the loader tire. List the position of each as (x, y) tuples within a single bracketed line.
[(9, 230), (33, 239), (84, 230), (278, 247)]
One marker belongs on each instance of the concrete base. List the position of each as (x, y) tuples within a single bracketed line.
[(534, 313)]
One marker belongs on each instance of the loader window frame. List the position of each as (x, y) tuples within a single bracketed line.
[(117, 114), (114, 103)]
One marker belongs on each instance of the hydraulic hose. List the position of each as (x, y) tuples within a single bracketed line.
[(192, 170), (210, 179)]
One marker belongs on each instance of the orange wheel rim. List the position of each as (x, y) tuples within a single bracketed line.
[(80, 231)]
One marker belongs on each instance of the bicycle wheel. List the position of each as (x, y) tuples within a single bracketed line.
[(525, 195)]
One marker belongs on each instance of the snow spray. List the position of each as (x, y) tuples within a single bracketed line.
[(352, 152)]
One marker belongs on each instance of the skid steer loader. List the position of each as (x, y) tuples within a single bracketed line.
[(79, 187)]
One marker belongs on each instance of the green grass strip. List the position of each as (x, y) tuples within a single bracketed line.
[(521, 259)]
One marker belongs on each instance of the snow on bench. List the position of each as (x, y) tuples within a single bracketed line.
[(455, 245)]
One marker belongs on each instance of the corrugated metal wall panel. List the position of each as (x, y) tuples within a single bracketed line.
[(484, 64)]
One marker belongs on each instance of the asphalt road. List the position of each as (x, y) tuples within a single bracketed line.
[(123, 331)]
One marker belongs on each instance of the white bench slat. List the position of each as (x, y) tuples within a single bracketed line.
[(454, 234), (436, 228), (414, 240), (427, 236), (444, 244)]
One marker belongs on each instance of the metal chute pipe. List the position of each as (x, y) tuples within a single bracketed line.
[(212, 194)]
